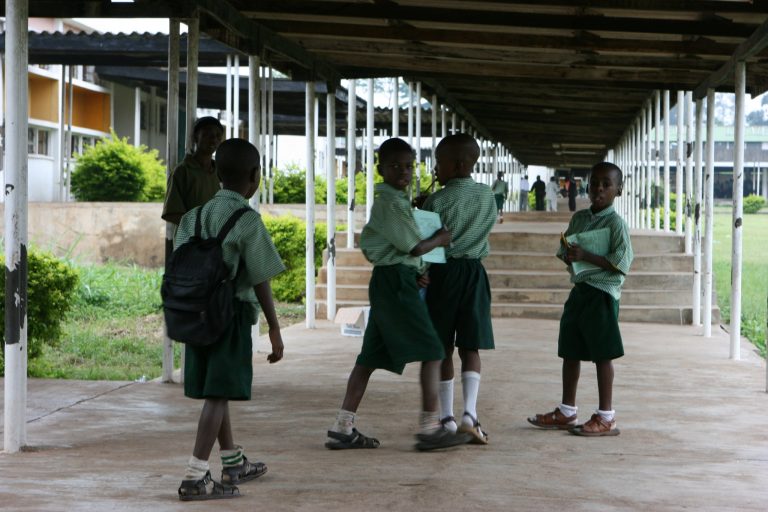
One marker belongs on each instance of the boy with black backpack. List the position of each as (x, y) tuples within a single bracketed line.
[(222, 370)]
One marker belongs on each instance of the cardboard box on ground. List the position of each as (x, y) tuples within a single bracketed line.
[(353, 320)]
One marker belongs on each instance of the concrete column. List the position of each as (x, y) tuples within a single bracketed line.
[(410, 114), (272, 156), (697, 195), (738, 210), (443, 123), (351, 162), (453, 123), (709, 198), (236, 96), (688, 173), (656, 166), (171, 158), (330, 201), (396, 107), (666, 161), (369, 152), (228, 101), (254, 121), (263, 129), (419, 158), (136, 118), (680, 164), (193, 45), (15, 220), (641, 168), (434, 128), (309, 199), (648, 164)]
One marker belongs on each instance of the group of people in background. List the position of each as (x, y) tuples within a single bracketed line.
[(546, 194), (420, 312)]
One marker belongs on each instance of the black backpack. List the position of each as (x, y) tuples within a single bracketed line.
[(197, 291)]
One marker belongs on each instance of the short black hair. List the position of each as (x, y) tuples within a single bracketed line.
[(391, 146), (206, 121), (235, 159), (609, 166)]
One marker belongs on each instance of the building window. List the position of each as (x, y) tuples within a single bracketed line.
[(79, 143), (38, 141)]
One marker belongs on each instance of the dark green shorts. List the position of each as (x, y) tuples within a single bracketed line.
[(459, 301), (224, 369), (499, 201), (589, 327), (399, 330)]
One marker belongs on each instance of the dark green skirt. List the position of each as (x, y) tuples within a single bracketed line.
[(589, 327), (459, 301), (399, 330), (224, 369)]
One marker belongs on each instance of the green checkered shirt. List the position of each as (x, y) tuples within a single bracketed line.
[(500, 187), (620, 254), (468, 210), (391, 233), (247, 249)]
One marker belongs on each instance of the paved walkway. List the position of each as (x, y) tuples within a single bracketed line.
[(693, 435)]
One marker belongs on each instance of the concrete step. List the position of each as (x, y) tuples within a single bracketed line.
[(500, 260), (677, 315)]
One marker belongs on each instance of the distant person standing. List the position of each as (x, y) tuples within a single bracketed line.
[(552, 190), (573, 189), (500, 192), (524, 187), (539, 189)]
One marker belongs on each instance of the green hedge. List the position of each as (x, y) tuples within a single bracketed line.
[(289, 235), (51, 285), (753, 203), (114, 170)]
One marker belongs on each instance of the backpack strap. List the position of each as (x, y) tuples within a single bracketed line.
[(230, 223), (198, 222)]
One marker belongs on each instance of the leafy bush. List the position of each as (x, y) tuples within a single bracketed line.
[(114, 170), (753, 203), (51, 285), (288, 234), (289, 186)]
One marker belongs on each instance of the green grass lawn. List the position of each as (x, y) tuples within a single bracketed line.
[(115, 328), (754, 287)]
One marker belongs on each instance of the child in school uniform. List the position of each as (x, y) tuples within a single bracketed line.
[(459, 294), (589, 327), (399, 330), (223, 371)]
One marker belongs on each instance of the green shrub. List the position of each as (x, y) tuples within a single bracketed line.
[(114, 170), (753, 203), (51, 285), (289, 235), (672, 218)]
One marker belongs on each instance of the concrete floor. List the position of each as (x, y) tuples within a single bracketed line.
[(693, 434)]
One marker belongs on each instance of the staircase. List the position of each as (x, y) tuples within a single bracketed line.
[(527, 281)]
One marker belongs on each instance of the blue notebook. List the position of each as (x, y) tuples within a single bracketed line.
[(428, 223), (596, 241)]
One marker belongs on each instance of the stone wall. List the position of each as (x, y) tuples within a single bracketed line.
[(130, 232)]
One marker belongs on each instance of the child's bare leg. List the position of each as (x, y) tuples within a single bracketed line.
[(209, 426), (571, 371), (430, 379), (225, 437), (356, 386), (470, 360), (446, 368), (605, 384)]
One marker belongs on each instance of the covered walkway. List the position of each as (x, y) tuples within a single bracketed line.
[(692, 434)]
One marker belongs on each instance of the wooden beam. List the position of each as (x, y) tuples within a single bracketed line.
[(757, 42)]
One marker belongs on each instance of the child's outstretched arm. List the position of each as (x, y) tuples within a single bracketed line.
[(264, 295), (441, 238)]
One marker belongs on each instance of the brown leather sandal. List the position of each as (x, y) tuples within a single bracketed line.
[(596, 427), (554, 420)]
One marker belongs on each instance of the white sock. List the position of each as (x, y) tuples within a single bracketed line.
[(567, 410), (429, 422), (470, 382), (345, 422), (446, 398), (232, 458), (196, 469), (606, 415)]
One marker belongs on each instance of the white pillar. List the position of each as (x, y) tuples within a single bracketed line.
[(15, 219), (434, 127), (453, 122), (351, 162), (309, 199), (648, 163), (254, 121), (642, 166), (688, 173), (395, 107), (657, 162), (443, 123), (666, 161), (369, 152), (136, 119), (697, 195), (193, 45), (271, 136), (330, 201), (709, 198), (263, 129), (228, 100), (419, 158), (738, 210), (680, 164), (236, 96), (410, 114), (171, 158)]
